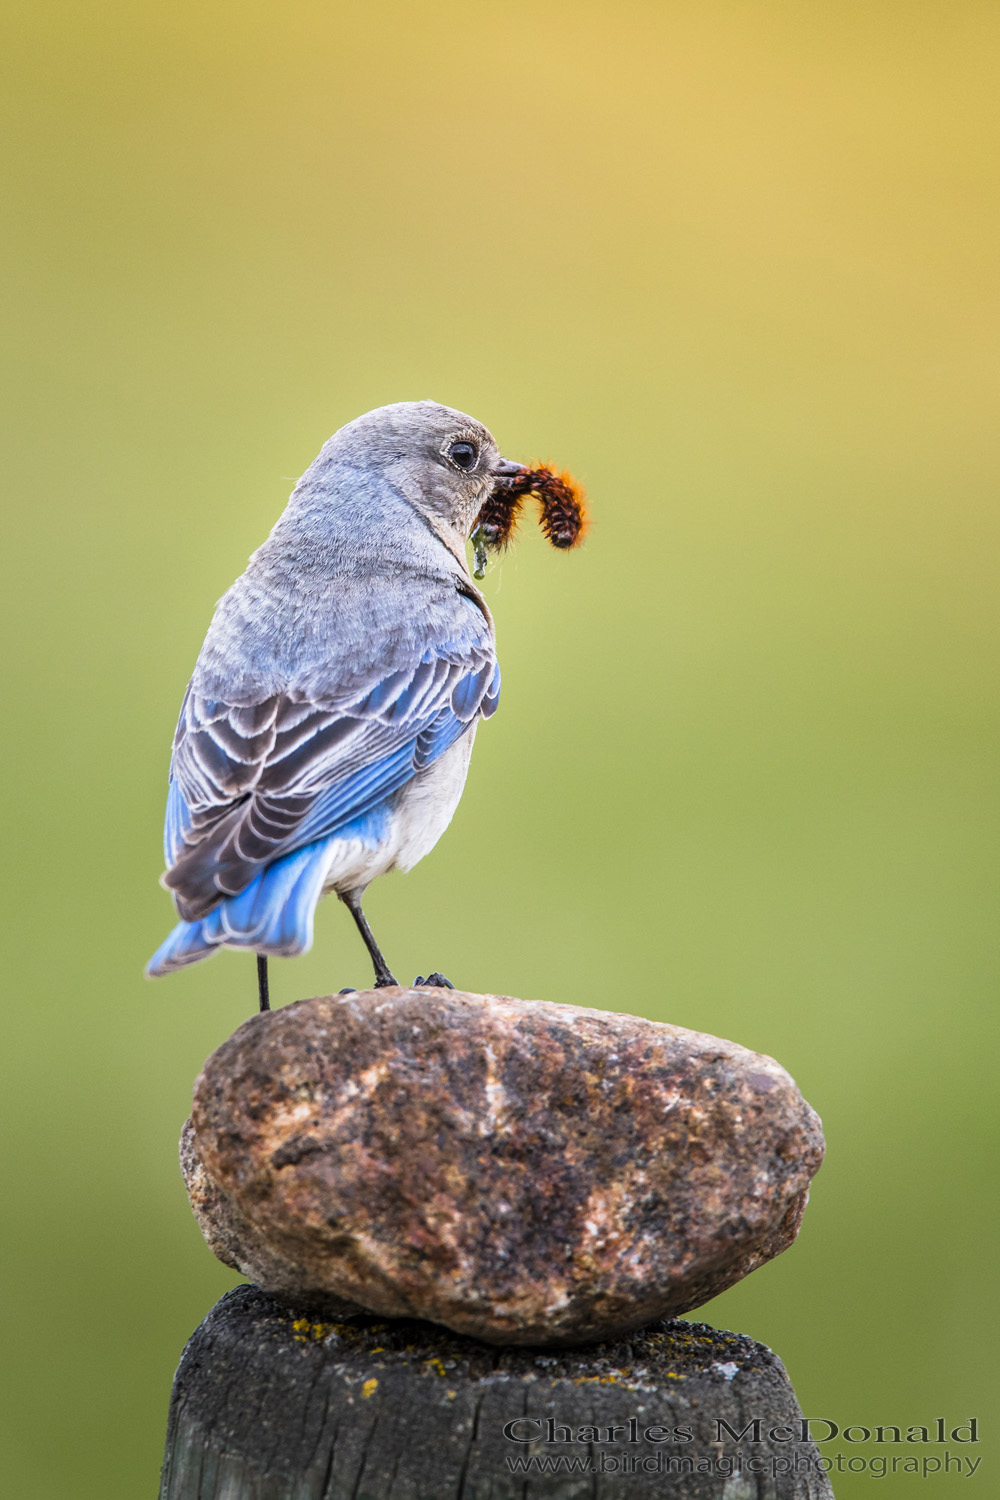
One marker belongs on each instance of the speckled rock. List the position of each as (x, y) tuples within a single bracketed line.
[(521, 1172)]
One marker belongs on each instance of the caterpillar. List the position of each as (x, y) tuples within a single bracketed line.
[(562, 514)]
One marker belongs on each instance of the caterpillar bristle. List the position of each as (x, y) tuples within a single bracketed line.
[(563, 516), (498, 518)]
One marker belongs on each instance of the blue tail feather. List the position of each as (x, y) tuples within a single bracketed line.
[(274, 914)]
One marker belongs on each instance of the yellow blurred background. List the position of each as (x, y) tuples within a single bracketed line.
[(735, 265)]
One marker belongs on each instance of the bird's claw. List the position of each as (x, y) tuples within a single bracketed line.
[(432, 982)]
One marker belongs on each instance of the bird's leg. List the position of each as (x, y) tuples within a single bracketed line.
[(383, 975), (263, 993)]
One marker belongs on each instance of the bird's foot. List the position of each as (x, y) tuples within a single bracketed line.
[(432, 982), (382, 981), (347, 991)]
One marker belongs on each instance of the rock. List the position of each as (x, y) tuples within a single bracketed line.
[(233, 1238), (521, 1172)]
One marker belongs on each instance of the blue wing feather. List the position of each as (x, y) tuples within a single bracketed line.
[(252, 784), (345, 801), (176, 824)]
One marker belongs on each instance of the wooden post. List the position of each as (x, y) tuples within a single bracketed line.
[(273, 1403)]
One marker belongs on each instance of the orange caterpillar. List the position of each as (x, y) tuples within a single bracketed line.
[(563, 517)]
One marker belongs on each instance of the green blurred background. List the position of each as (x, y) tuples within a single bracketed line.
[(732, 263)]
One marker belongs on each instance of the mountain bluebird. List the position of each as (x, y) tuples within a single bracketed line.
[(325, 735)]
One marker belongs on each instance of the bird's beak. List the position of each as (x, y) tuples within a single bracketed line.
[(505, 468)]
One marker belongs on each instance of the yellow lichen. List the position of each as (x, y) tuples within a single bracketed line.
[(304, 1331), (369, 1388)]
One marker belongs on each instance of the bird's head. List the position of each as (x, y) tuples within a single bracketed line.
[(443, 462)]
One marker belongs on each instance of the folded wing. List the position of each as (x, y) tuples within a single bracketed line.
[(252, 782)]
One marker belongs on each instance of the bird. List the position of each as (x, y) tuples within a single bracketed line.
[(325, 734)]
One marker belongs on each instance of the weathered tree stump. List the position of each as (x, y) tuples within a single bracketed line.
[(271, 1404)]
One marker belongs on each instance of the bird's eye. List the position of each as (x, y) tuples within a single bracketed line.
[(463, 454)]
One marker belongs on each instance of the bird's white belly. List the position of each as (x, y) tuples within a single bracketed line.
[(424, 808)]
